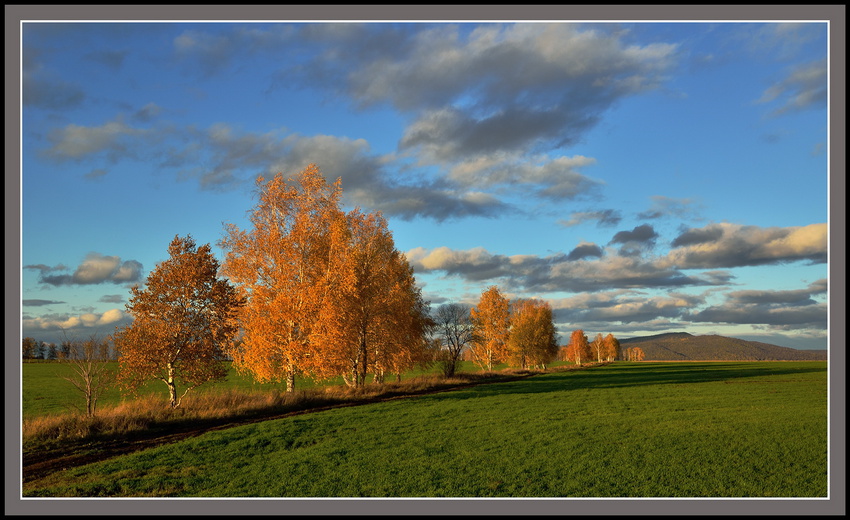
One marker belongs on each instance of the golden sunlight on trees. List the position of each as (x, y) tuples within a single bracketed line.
[(328, 294), (611, 348), (532, 341), (374, 320), (578, 348), (454, 330), (286, 265), (634, 354), (597, 347), (491, 320), (184, 320)]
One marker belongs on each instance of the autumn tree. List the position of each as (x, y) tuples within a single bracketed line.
[(184, 321), (533, 340), (374, 320), (454, 329), (90, 373), (286, 265), (611, 347), (578, 348), (597, 347), (491, 321), (634, 354)]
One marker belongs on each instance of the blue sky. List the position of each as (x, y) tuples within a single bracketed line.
[(642, 177)]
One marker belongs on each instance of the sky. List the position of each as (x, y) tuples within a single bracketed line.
[(641, 177)]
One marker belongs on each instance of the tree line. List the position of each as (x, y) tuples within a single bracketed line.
[(311, 290)]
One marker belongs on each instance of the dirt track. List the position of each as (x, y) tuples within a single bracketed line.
[(37, 465)]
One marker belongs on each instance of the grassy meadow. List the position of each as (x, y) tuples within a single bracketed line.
[(712, 429), (45, 392)]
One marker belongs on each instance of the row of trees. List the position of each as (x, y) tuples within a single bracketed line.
[(308, 290), (580, 350), (520, 333), (32, 349), (312, 290)]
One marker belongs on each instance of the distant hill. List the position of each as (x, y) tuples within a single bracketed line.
[(681, 346)]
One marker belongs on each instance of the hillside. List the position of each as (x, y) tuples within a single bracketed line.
[(681, 346)]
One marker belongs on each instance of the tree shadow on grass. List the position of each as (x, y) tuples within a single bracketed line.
[(629, 376)]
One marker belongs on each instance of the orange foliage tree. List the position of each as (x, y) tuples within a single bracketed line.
[(375, 320), (533, 340), (635, 354), (287, 266), (597, 347), (578, 347), (184, 320), (491, 321), (611, 347)]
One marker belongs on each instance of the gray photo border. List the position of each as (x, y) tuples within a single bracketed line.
[(835, 505)]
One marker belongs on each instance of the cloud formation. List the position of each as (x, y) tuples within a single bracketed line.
[(554, 273), (533, 85), (43, 88), (590, 268), (805, 87), (603, 218), (39, 303), (732, 245), (72, 323), (95, 269)]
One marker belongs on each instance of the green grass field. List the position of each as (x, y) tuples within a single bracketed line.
[(715, 429)]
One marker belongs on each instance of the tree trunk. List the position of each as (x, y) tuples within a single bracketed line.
[(364, 359), (172, 388), (290, 379)]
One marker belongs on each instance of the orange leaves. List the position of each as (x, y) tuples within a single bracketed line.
[(634, 354), (371, 321), (533, 341), (491, 320), (285, 267), (611, 347), (328, 293), (578, 349), (183, 318)]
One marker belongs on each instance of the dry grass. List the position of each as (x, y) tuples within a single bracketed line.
[(148, 413)]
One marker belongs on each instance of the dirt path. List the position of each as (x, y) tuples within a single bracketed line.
[(39, 464)]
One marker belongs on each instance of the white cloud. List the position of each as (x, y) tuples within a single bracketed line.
[(733, 245), (804, 87)]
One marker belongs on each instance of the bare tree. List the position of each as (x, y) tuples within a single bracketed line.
[(90, 370), (454, 329)]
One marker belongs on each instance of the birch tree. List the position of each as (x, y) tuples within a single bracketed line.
[(286, 265), (597, 346), (533, 340), (374, 320), (611, 347), (184, 321), (578, 348), (491, 321)]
